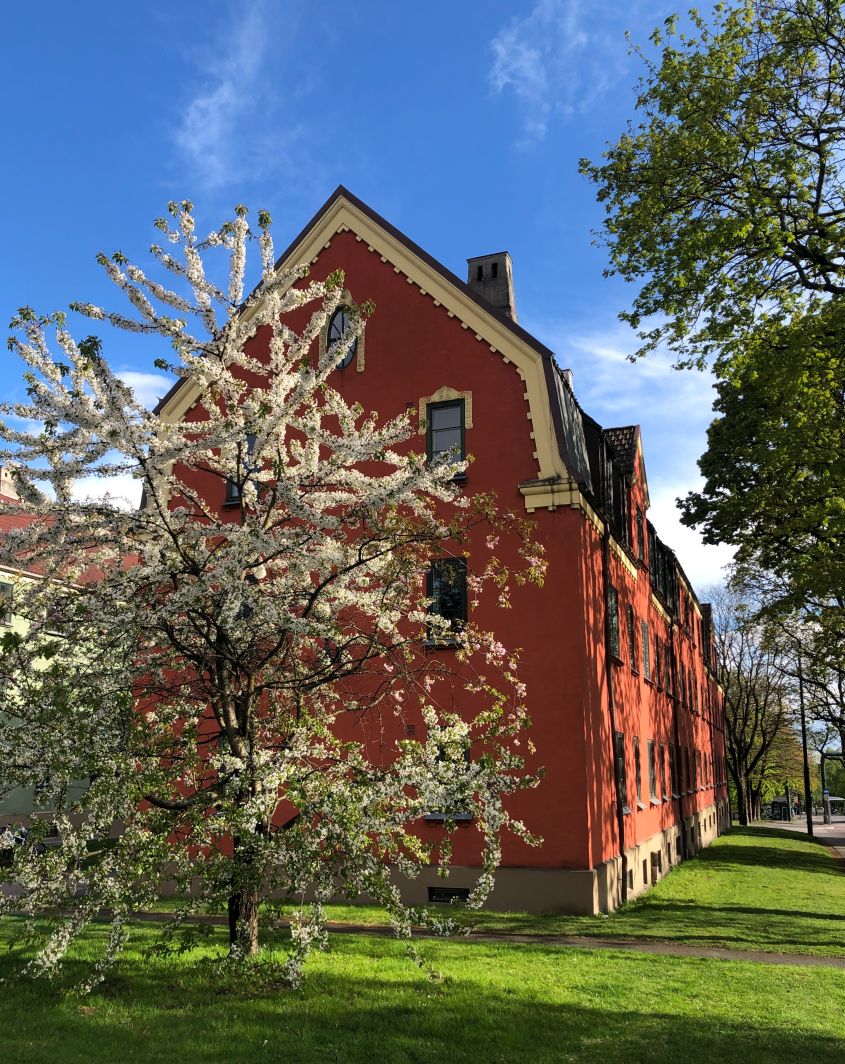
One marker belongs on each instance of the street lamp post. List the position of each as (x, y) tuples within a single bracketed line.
[(825, 792), (808, 797)]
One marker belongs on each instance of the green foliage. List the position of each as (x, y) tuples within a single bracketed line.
[(725, 201), (775, 462)]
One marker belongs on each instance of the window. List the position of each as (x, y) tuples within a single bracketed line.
[(446, 586), (632, 638), (613, 620), (6, 595), (689, 779), (673, 769), (461, 813), (340, 321), (646, 658), (621, 777), (663, 790), (446, 895), (445, 440), (640, 535), (667, 662), (55, 619), (657, 673), (652, 772), (638, 772), (234, 484)]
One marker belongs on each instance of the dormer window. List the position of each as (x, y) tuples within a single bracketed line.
[(340, 322)]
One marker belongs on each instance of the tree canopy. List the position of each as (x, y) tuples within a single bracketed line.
[(235, 680), (725, 201), (774, 467)]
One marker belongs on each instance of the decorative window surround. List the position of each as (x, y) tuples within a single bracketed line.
[(347, 301), (444, 395)]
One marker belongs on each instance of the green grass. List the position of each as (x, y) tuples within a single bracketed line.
[(364, 1001), (754, 888)]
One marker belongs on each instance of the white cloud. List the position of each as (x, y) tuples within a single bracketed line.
[(222, 133), (555, 60), (208, 126), (125, 491), (147, 387)]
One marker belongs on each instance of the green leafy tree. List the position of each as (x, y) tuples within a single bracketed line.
[(775, 463), (725, 201)]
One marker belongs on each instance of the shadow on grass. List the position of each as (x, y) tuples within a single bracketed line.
[(781, 930), (162, 1013), (729, 857)]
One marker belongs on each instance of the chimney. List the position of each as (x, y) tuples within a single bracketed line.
[(7, 485), (491, 276)]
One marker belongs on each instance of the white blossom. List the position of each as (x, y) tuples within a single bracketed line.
[(212, 659)]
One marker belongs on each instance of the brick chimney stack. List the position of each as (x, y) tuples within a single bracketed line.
[(7, 485), (491, 276)]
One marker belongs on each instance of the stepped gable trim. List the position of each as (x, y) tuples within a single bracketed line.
[(533, 361)]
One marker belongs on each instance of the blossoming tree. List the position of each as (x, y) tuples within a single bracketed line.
[(224, 677)]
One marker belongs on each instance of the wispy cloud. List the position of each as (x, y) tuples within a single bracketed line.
[(559, 59), (673, 409), (148, 388), (222, 134)]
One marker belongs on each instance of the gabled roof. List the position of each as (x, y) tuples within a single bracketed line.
[(555, 432)]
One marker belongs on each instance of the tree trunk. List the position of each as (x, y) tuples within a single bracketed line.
[(742, 801), (243, 922), (243, 901)]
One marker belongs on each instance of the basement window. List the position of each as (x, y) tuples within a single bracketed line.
[(446, 895)]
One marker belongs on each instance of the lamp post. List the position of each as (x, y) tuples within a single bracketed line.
[(825, 793), (808, 798)]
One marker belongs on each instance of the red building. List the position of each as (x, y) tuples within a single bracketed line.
[(617, 652)]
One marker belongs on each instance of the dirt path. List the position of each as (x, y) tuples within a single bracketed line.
[(661, 948)]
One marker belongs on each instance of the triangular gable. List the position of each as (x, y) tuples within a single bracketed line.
[(532, 360)]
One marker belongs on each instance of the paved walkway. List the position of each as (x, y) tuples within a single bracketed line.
[(832, 835)]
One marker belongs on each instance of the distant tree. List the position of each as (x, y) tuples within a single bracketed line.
[(235, 683), (757, 711)]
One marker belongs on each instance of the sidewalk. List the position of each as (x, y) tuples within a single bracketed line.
[(832, 835)]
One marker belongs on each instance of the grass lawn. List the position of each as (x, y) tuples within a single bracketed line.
[(364, 1001), (753, 888)]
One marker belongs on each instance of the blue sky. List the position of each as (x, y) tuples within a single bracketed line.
[(460, 122)]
